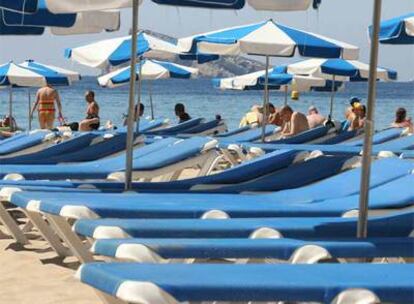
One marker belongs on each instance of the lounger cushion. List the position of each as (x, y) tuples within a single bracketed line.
[(198, 282)]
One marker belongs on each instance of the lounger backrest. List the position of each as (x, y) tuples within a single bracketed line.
[(402, 143), (179, 128), (171, 153), (118, 162), (204, 126), (250, 135), (304, 136), (233, 132), (287, 178), (22, 142), (348, 183), (379, 137), (46, 155)]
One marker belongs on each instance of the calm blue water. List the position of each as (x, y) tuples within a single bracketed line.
[(203, 100)]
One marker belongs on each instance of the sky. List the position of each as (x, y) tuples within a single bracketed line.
[(345, 20)]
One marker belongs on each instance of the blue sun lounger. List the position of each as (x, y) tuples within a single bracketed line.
[(171, 151), (83, 147), (400, 224), (246, 171), (136, 249), (352, 147), (176, 129), (395, 194), (45, 156), (271, 172), (211, 127), (306, 136), (248, 136), (19, 143), (234, 131), (177, 283)]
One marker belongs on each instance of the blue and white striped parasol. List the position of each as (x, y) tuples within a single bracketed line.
[(268, 38), (147, 70), (12, 74), (6, 30), (26, 6), (277, 81), (34, 65), (66, 6), (337, 70), (116, 51), (18, 23), (344, 70), (399, 30)]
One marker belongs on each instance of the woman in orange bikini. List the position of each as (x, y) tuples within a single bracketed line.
[(45, 102)]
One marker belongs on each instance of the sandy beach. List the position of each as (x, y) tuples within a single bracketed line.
[(36, 276)]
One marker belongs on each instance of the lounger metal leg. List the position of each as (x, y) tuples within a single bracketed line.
[(12, 227), (79, 249), (108, 299), (27, 227), (48, 234), (229, 157), (208, 164)]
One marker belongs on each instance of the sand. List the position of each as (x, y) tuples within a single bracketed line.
[(34, 275)]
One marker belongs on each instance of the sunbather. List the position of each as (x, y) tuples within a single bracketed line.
[(252, 118), (294, 122), (181, 113), (357, 117), (274, 116), (141, 113), (315, 119), (91, 122), (6, 134), (401, 120)]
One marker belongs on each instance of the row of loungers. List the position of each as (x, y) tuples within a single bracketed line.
[(167, 228), (42, 147)]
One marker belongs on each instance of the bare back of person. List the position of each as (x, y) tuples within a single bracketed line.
[(298, 123), (46, 98)]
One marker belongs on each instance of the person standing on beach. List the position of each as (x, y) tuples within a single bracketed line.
[(46, 97)]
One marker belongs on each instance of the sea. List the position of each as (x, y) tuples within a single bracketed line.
[(203, 100)]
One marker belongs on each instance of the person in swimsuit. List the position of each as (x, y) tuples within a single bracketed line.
[(293, 122), (91, 122), (357, 118), (46, 98), (401, 120)]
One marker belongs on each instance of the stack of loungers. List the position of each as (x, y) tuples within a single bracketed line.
[(277, 227)]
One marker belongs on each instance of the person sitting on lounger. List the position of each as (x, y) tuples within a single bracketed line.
[(252, 118), (181, 113), (315, 119), (274, 116), (401, 120), (357, 118), (91, 122), (6, 134), (141, 113), (46, 98), (293, 122)]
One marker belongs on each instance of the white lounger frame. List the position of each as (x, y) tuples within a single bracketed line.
[(205, 161)]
